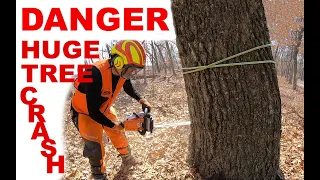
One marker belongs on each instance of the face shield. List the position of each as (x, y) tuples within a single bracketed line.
[(129, 70)]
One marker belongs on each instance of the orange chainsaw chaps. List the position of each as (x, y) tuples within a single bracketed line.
[(133, 124)]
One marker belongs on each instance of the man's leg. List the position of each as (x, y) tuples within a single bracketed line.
[(120, 142), (91, 132), (117, 138)]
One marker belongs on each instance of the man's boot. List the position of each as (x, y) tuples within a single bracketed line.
[(128, 161), (97, 174)]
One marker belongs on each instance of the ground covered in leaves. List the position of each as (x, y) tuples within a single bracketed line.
[(164, 152)]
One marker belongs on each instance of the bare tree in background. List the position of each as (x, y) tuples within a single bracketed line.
[(235, 111), (297, 35), (162, 58), (148, 54), (168, 50), (154, 51)]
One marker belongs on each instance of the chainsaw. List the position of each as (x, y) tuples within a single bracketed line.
[(141, 122)]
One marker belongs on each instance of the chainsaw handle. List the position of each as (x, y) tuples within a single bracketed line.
[(142, 132), (146, 110)]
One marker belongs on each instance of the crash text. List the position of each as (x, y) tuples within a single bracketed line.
[(37, 110)]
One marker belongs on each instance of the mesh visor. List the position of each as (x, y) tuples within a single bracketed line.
[(130, 70)]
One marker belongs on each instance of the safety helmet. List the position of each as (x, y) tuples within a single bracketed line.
[(128, 53)]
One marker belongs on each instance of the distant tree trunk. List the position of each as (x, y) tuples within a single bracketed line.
[(288, 57), (277, 59), (276, 52), (102, 53), (235, 111), (301, 69), (154, 52), (170, 58), (144, 75), (298, 37), (174, 62), (108, 50), (282, 64), (291, 63), (153, 69), (162, 58)]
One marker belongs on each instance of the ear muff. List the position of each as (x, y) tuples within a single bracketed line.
[(118, 62)]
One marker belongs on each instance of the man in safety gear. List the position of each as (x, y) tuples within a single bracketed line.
[(92, 104)]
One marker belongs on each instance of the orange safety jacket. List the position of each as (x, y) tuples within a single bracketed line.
[(79, 102)]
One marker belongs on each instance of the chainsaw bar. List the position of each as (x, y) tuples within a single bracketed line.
[(165, 125)]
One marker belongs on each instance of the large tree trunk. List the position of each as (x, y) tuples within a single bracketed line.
[(235, 111)]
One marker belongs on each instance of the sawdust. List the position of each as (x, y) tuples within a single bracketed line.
[(164, 153)]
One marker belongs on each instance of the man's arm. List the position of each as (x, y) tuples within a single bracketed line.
[(130, 90), (93, 95)]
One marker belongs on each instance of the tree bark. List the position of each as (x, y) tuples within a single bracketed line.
[(235, 111)]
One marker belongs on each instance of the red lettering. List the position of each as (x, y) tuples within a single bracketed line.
[(55, 12), (115, 21), (76, 50), (60, 164), (44, 73), (38, 114), (52, 149), (50, 70), (23, 95), (43, 133), (56, 50), (82, 73), (128, 18), (160, 20), (89, 49), (26, 19), (32, 105), (29, 68), (64, 73), (77, 16), (26, 49)]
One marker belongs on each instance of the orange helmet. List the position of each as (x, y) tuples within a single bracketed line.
[(129, 53)]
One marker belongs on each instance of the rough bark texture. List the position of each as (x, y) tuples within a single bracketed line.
[(235, 111)]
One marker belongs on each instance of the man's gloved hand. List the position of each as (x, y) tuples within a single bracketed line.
[(145, 104)]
